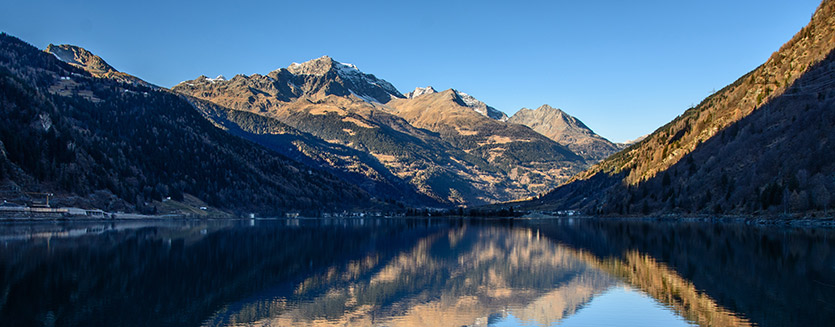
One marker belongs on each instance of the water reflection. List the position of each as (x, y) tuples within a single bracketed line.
[(410, 273), (459, 277), (773, 276)]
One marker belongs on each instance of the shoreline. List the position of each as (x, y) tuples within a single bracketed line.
[(823, 222)]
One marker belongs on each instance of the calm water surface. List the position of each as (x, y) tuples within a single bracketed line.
[(400, 272)]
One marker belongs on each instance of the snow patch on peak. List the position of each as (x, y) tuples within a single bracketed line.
[(368, 99), (420, 91), (361, 83), (346, 70), (480, 107), (349, 66), (219, 78), (470, 101), (352, 73)]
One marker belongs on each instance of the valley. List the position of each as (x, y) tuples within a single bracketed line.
[(323, 136)]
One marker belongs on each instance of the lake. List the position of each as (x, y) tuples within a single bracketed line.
[(415, 272)]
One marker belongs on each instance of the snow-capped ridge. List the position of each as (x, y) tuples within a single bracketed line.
[(219, 78), (420, 91), (365, 98), (480, 107), (362, 84), (470, 100), (348, 66)]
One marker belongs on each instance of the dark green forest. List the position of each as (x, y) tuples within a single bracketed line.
[(778, 160)]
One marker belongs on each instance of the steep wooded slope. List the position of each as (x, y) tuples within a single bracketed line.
[(763, 143)]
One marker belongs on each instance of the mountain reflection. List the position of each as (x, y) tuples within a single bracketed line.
[(464, 276), (406, 272), (171, 276), (714, 273)]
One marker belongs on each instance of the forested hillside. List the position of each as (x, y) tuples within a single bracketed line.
[(763, 144), (98, 142)]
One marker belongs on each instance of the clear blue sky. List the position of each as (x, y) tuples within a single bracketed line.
[(623, 67)]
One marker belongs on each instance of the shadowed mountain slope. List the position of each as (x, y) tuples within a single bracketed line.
[(118, 146), (761, 144)]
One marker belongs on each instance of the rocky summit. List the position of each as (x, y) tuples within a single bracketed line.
[(465, 100), (420, 91), (80, 57), (313, 80), (566, 130), (95, 65)]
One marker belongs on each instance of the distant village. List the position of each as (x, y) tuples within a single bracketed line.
[(17, 204)]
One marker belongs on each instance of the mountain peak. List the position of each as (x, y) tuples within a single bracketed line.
[(478, 106), (93, 64), (319, 66), (80, 57), (555, 119), (219, 78), (362, 84), (322, 66), (314, 78), (547, 108), (565, 129), (420, 91)]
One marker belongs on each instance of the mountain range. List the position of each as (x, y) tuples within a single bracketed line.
[(353, 132), (444, 147)]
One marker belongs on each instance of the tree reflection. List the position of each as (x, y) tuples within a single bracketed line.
[(409, 272), (773, 276), (159, 276)]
